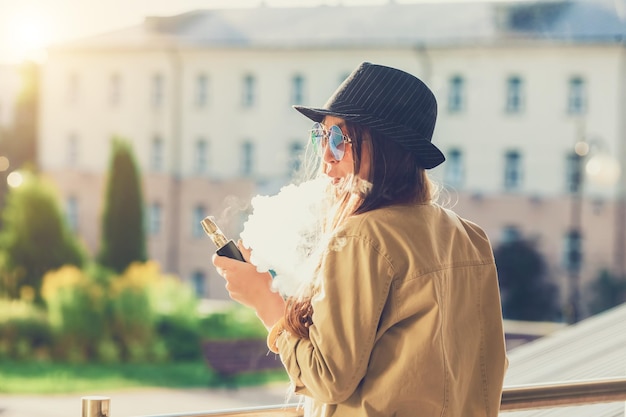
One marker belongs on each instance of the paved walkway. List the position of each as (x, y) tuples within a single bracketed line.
[(145, 402)]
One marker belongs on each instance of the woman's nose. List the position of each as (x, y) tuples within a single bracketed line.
[(327, 155)]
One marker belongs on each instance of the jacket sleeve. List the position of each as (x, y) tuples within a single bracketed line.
[(355, 281)]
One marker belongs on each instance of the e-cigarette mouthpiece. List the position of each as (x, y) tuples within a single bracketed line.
[(214, 232), (225, 247)]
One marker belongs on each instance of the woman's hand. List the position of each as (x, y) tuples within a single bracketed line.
[(249, 287)]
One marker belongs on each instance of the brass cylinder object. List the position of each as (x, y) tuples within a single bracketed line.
[(214, 232), (96, 406), (225, 247)]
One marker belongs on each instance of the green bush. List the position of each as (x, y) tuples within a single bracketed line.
[(76, 309), (170, 297), (235, 323), (156, 313), (108, 352), (25, 332), (526, 287), (93, 315), (181, 339), (178, 323), (132, 320), (606, 291)]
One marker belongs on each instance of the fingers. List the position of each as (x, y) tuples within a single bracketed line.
[(244, 283), (224, 262), (242, 280), (235, 269), (244, 251)]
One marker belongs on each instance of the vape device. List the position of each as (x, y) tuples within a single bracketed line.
[(225, 247)]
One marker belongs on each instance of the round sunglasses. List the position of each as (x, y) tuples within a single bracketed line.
[(334, 137)]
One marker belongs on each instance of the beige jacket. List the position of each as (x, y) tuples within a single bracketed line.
[(408, 322)]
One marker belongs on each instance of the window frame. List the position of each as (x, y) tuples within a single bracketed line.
[(155, 219), (456, 94), (115, 89), (513, 172), (199, 212), (247, 155), (157, 153), (72, 215), (455, 168), (298, 84), (157, 92), (577, 95), (248, 94), (201, 96), (201, 155), (515, 100)]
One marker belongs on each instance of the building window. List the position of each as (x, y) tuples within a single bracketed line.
[(198, 281), (72, 150), (199, 213), (158, 91), (512, 171), (572, 251), (73, 88), (456, 94), (514, 95), (573, 172), (577, 96), (201, 156), (156, 154), (202, 90), (155, 219), (455, 169), (247, 159), (297, 89), (249, 86), (115, 90), (295, 156), (71, 213)]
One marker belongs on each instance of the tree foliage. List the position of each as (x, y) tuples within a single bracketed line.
[(607, 291), (35, 238), (527, 293), (123, 239)]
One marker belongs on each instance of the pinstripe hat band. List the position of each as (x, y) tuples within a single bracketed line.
[(389, 101)]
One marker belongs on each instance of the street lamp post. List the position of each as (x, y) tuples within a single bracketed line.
[(603, 169), (574, 253)]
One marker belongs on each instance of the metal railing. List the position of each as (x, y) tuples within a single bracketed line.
[(514, 398), (530, 397)]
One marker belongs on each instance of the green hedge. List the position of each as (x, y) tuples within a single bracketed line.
[(93, 315)]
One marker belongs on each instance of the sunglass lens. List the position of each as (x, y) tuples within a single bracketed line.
[(317, 136), (336, 142)]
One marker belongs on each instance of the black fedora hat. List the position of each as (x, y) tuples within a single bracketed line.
[(389, 101)]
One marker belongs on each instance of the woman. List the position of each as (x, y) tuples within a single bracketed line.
[(403, 315)]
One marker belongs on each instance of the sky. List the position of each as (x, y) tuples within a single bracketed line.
[(28, 26)]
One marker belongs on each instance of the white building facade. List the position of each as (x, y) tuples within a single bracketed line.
[(205, 98)]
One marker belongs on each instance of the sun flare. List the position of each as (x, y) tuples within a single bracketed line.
[(28, 33)]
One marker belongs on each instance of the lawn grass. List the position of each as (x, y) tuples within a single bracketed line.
[(55, 378)]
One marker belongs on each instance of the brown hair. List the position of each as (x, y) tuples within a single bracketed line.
[(395, 178)]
